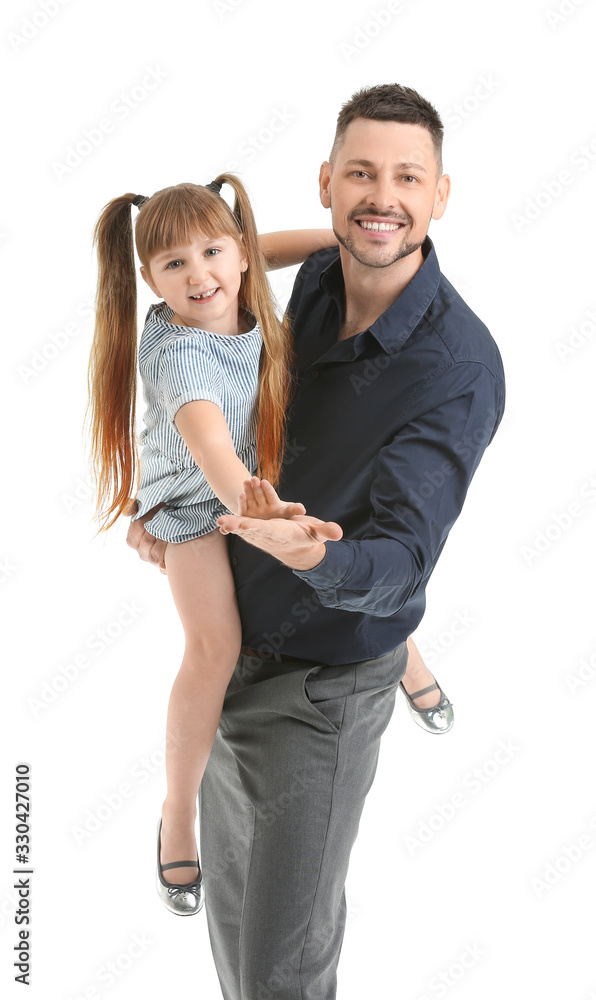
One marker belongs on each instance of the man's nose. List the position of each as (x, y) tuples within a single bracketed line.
[(383, 194)]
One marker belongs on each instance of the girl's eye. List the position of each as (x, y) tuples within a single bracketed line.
[(172, 262), (212, 251)]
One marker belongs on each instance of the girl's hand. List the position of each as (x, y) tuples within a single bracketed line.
[(260, 500)]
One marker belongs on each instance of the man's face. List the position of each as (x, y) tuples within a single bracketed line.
[(383, 190)]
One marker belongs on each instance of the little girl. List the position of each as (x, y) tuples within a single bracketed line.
[(216, 368)]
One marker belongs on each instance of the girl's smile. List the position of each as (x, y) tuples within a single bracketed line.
[(200, 282), (204, 296)]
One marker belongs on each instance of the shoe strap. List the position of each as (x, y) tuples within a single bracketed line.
[(179, 864), (426, 690)]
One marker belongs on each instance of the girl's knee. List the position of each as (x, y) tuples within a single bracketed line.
[(201, 652)]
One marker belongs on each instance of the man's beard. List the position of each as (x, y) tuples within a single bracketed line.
[(372, 257)]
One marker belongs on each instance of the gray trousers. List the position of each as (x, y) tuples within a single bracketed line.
[(280, 802)]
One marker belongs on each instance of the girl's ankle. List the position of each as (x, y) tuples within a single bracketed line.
[(181, 812)]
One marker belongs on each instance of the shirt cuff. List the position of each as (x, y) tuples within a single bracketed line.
[(333, 569)]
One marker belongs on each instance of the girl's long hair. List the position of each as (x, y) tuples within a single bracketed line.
[(172, 217)]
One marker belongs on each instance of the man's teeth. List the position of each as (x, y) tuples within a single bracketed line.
[(205, 295), (383, 227)]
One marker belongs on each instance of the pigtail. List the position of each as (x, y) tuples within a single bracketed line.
[(112, 374), (276, 379)]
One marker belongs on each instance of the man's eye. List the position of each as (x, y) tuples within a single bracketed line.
[(172, 262), (360, 173), (409, 177)]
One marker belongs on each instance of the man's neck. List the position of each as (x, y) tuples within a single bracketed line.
[(371, 290)]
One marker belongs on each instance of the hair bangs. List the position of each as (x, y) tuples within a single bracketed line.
[(175, 216)]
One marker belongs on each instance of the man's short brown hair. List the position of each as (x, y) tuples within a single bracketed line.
[(390, 102)]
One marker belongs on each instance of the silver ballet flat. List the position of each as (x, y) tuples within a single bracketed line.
[(436, 719), (184, 899)]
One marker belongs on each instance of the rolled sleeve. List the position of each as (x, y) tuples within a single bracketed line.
[(189, 372), (420, 484)]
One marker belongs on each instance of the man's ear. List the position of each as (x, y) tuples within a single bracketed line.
[(441, 196), (147, 277), (325, 184)]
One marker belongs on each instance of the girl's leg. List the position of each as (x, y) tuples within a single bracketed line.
[(418, 676), (203, 590)]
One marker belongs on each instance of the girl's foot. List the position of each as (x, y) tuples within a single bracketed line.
[(178, 843), (417, 677)]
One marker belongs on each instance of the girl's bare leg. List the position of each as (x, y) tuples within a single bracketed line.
[(203, 590), (418, 676)]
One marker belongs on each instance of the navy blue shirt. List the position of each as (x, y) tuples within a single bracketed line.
[(384, 434)]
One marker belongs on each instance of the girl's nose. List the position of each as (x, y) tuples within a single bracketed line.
[(198, 272), (198, 276)]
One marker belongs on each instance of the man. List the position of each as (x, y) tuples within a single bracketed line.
[(401, 388)]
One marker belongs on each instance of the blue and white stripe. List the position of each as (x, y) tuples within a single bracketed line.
[(179, 364)]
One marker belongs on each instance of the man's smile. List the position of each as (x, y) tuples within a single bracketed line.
[(379, 228), (379, 225)]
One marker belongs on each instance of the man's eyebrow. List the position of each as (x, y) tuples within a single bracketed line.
[(399, 166)]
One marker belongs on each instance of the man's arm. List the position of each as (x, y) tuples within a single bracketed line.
[(422, 478), (293, 246)]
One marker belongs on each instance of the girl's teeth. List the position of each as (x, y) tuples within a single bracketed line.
[(207, 295)]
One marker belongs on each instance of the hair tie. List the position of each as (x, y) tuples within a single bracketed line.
[(214, 186), (139, 200)]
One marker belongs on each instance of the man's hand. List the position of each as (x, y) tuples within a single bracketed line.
[(298, 542), (260, 500), (149, 548)]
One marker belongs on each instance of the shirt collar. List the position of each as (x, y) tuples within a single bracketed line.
[(394, 326)]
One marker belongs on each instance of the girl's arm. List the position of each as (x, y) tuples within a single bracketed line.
[(294, 245), (207, 436)]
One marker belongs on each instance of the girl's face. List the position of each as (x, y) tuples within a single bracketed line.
[(200, 282)]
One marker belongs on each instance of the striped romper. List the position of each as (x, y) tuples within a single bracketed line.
[(179, 364)]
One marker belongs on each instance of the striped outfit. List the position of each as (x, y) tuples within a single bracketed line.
[(179, 364)]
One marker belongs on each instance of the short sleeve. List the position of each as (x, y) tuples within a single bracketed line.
[(189, 371)]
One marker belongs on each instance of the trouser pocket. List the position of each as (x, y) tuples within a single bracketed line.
[(325, 690)]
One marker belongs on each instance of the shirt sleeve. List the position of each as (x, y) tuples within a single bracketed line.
[(420, 483), (189, 371)]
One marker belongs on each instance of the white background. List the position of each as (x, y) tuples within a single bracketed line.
[(515, 85)]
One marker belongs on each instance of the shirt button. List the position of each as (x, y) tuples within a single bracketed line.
[(314, 374), (234, 560)]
